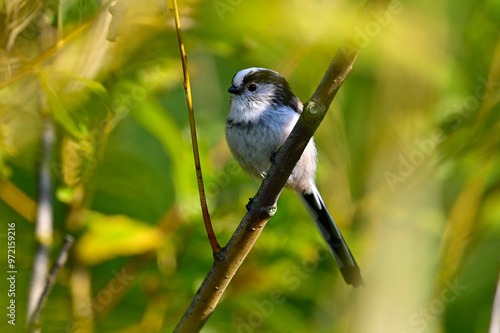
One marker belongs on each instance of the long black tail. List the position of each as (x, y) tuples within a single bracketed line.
[(332, 236)]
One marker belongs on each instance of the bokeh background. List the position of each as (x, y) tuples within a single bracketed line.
[(408, 163)]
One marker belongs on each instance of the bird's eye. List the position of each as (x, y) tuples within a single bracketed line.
[(251, 86)]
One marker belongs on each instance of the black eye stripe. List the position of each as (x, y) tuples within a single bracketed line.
[(283, 95)]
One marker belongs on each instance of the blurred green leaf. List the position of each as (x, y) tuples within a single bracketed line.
[(58, 109), (65, 194), (159, 123), (95, 86)]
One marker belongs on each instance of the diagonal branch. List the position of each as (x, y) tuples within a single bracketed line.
[(34, 321), (189, 99), (263, 204)]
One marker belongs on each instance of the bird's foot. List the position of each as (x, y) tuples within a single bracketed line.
[(273, 156), (249, 204)]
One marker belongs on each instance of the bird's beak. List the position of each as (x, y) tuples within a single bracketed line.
[(233, 90)]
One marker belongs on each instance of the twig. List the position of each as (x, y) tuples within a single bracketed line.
[(43, 228), (187, 88), (264, 203), (49, 283), (495, 313)]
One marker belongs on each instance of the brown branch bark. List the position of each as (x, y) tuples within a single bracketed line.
[(264, 203)]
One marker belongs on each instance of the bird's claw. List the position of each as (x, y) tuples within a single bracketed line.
[(273, 156), (249, 204)]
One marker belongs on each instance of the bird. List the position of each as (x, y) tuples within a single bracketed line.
[(262, 112)]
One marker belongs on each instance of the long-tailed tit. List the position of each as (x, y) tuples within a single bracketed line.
[(263, 112)]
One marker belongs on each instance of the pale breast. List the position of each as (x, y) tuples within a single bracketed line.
[(252, 146)]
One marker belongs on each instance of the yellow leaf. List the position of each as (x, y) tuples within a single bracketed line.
[(110, 236)]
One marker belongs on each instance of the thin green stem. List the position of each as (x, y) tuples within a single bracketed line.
[(187, 88)]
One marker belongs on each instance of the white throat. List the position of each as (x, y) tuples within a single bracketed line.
[(245, 107)]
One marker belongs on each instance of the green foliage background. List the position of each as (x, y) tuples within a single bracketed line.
[(408, 163)]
